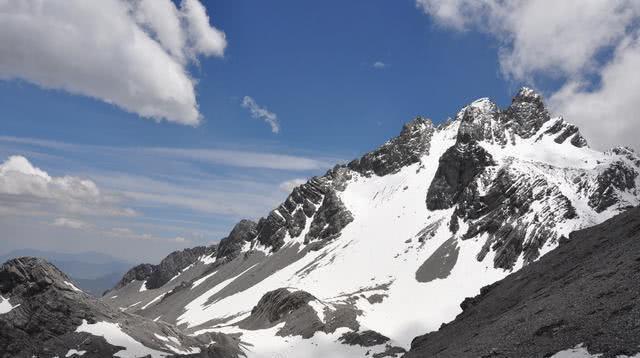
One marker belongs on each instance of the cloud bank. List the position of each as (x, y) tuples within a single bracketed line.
[(130, 53), (590, 47), (26, 189), (261, 113)]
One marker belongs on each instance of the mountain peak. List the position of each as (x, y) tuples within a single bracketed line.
[(34, 273), (527, 94)]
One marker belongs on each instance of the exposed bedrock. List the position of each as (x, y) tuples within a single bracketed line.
[(507, 214), (229, 248), (457, 169), (364, 339), (158, 275), (526, 114), (408, 148), (617, 177), (294, 307), (47, 310), (316, 200)]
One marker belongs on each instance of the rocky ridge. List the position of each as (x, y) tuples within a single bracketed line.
[(155, 276), (50, 317)]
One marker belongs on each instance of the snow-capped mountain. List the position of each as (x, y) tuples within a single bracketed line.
[(373, 253)]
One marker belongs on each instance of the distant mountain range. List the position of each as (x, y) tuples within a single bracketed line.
[(94, 272)]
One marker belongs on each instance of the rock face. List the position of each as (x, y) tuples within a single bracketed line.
[(507, 215), (157, 275), (526, 114), (48, 311), (583, 293), (617, 177), (364, 339), (413, 142), (296, 309), (331, 218), (318, 201), (458, 168), (244, 231)]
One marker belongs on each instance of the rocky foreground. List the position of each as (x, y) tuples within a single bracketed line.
[(43, 314), (584, 295)]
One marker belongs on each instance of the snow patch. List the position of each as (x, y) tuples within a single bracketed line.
[(73, 287), (208, 259), (6, 306), (159, 297), (197, 282), (114, 335)]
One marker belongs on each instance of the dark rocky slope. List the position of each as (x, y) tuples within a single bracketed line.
[(585, 292), (48, 309)]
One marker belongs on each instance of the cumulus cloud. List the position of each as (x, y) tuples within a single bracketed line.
[(24, 187), (261, 113), (130, 53), (289, 185), (588, 46)]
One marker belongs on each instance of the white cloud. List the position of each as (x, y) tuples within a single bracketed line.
[(130, 53), (261, 113), (379, 65), (589, 46), (289, 185), (266, 159), (205, 39), (195, 194), (608, 115), (24, 187), (70, 223), (246, 159), (128, 234)]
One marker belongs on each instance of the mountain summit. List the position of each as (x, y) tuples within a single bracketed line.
[(373, 253)]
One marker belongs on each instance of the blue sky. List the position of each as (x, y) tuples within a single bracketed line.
[(340, 76)]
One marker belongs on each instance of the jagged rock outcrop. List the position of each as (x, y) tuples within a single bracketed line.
[(507, 215), (332, 216), (454, 179), (244, 231), (317, 199), (294, 307), (564, 131), (526, 114), (483, 121), (138, 273), (583, 293), (513, 202), (157, 275), (365, 339), (480, 122), (413, 142), (48, 311), (615, 178)]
